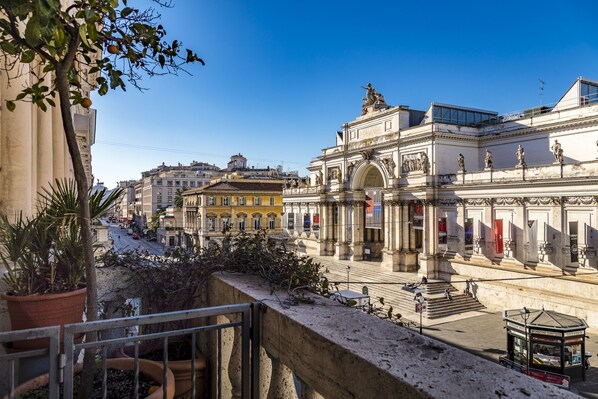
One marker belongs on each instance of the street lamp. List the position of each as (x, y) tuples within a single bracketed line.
[(525, 312)]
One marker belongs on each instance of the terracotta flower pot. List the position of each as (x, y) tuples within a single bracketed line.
[(34, 311), (147, 367), (181, 369)]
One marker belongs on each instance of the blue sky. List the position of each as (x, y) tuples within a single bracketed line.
[(281, 76)]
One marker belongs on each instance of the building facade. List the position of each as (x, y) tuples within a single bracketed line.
[(33, 148), (233, 206), (160, 185), (457, 193)]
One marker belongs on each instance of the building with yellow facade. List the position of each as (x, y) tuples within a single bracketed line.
[(239, 205)]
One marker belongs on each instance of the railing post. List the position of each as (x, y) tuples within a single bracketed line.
[(307, 392), (234, 363), (282, 384)]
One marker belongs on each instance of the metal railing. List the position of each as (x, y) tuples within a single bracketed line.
[(62, 366)]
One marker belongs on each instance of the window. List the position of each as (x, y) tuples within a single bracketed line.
[(257, 222), (572, 355), (271, 201), (177, 183), (185, 183), (241, 201), (169, 183), (241, 220), (257, 201), (211, 220), (271, 222), (544, 354), (192, 184), (158, 182), (211, 200), (225, 201), (170, 198), (225, 222)]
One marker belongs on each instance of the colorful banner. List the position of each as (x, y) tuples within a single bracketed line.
[(306, 222), (316, 222), (573, 242), (468, 227), (373, 209), (442, 234), (418, 216), (498, 239)]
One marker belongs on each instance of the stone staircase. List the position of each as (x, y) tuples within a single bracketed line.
[(390, 286)]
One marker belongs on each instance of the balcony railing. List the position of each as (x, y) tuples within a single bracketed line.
[(311, 347)]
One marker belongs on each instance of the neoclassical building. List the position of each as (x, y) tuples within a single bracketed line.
[(458, 193)]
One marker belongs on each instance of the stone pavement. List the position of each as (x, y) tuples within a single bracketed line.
[(480, 332)]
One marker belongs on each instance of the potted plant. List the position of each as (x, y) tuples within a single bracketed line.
[(44, 262), (150, 387), (176, 281)]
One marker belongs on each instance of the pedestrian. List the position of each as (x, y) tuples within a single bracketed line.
[(424, 280), (119, 237), (448, 295)]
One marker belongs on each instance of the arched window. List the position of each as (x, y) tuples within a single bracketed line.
[(211, 222), (225, 222), (256, 221), (271, 221), (241, 221)]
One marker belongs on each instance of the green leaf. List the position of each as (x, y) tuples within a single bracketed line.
[(27, 56), (10, 105), (83, 34), (126, 12), (8, 47)]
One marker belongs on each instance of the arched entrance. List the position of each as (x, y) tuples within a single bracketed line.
[(373, 218)]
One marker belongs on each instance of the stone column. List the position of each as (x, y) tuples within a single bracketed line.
[(307, 392), (16, 145), (358, 225), (341, 242), (282, 384), (234, 364)]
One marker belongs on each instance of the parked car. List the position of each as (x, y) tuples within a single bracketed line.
[(136, 236)]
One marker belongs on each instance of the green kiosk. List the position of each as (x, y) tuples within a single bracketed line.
[(554, 341)]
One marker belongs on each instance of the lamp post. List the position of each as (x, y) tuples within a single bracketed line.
[(525, 315)]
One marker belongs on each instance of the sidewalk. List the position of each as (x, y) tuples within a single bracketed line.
[(481, 332)]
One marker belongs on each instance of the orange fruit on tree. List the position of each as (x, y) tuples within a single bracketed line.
[(113, 49), (86, 102)]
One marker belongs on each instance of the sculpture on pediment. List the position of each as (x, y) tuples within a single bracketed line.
[(520, 156), (319, 178), (372, 99), (389, 164), (461, 162), (367, 155), (425, 162), (488, 162), (557, 151), (350, 169)]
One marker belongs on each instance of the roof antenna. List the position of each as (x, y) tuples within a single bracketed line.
[(541, 91)]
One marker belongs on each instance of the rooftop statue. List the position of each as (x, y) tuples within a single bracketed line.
[(372, 99)]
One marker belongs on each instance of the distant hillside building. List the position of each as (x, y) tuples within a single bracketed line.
[(458, 193)]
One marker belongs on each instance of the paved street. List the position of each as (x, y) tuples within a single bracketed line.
[(479, 332), (125, 242)]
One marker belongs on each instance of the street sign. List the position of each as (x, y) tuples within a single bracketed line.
[(421, 307)]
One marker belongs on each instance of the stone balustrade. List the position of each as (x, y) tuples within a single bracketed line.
[(326, 350)]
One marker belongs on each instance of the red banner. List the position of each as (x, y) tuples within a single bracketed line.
[(498, 236)]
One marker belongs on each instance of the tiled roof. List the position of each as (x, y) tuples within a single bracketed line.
[(242, 185)]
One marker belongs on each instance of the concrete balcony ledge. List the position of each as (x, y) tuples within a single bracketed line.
[(341, 352)]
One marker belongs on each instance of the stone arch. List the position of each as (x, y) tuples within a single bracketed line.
[(364, 171)]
